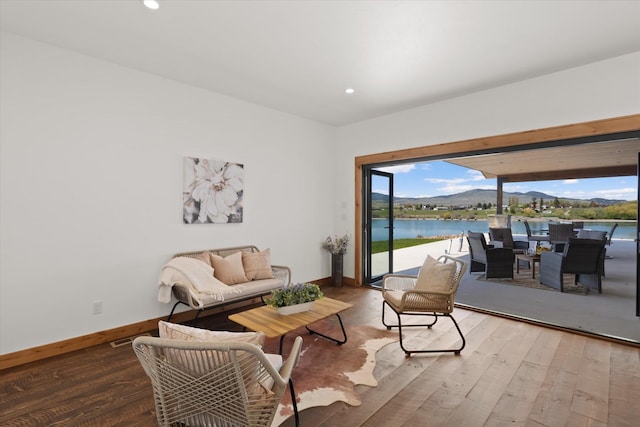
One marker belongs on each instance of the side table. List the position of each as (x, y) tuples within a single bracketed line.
[(531, 259)]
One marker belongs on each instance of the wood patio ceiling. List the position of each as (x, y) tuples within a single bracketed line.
[(588, 160)]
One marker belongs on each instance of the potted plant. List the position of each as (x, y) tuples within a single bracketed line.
[(337, 245), (295, 298)]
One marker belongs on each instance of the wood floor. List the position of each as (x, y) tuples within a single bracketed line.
[(510, 373)]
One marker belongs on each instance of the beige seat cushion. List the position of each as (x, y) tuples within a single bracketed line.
[(435, 276), (229, 270), (257, 265)]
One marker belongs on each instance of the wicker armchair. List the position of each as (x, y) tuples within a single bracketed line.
[(431, 293), (582, 257), (225, 383), (505, 237), (496, 262), (597, 235), (559, 235)]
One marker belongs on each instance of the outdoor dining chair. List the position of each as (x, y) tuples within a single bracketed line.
[(534, 237), (610, 236), (559, 235), (504, 236)]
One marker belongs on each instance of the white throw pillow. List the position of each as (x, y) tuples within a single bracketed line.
[(435, 276), (174, 331)]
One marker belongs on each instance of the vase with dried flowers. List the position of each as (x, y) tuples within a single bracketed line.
[(338, 246)]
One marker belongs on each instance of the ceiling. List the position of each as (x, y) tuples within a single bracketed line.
[(299, 56), (601, 159)]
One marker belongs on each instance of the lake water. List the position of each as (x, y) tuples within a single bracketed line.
[(412, 228)]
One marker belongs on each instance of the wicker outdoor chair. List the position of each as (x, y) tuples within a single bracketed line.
[(505, 237), (581, 257), (559, 235), (610, 236), (596, 235), (224, 383), (496, 262), (431, 293), (534, 237)]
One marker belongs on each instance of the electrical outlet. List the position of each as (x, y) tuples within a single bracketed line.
[(97, 307)]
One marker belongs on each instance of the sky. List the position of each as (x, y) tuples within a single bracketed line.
[(441, 178)]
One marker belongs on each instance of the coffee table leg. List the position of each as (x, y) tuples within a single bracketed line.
[(281, 340), (338, 341)]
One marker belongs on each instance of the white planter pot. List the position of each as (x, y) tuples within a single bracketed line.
[(293, 309)]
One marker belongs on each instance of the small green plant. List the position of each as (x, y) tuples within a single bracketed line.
[(295, 294)]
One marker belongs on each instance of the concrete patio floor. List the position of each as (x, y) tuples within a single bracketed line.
[(610, 314)]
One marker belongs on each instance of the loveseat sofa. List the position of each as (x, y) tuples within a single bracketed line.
[(215, 277)]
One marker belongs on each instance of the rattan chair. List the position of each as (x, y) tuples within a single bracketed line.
[(610, 236), (534, 237), (411, 296), (581, 257), (577, 225), (495, 262), (504, 235), (224, 383), (596, 235), (559, 235)]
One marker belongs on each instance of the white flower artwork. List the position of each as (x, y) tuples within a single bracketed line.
[(212, 192)]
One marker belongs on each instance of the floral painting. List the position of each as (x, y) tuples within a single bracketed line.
[(212, 191)]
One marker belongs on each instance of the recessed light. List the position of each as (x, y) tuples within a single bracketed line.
[(349, 90), (151, 4)]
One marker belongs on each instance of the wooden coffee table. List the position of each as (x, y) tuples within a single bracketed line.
[(531, 259), (267, 320)]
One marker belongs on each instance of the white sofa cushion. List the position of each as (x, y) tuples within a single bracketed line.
[(256, 287)]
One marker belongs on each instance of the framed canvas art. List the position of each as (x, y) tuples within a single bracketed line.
[(213, 191)]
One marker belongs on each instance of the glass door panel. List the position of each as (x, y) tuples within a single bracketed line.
[(378, 233)]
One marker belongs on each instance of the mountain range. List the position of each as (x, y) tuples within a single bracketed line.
[(473, 197)]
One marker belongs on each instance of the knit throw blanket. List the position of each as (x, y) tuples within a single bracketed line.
[(197, 275)]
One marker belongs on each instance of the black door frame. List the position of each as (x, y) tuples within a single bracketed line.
[(367, 197)]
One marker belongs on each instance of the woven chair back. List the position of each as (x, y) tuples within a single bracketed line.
[(582, 256), (503, 235), (210, 384), (560, 233), (477, 246)]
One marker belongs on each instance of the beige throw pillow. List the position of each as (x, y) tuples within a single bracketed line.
[(174, 331), (229, 270), (204, 257), (257, 265), (435, 276)]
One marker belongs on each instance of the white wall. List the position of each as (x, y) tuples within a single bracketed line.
[(596, 91), (91, 175), (91, 180)]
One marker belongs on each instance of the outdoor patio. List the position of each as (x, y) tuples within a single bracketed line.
[(611, 313)]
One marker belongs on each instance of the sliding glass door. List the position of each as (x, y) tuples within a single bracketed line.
[(378, 225)]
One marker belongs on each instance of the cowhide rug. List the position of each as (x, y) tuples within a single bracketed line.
[(328, 372)]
